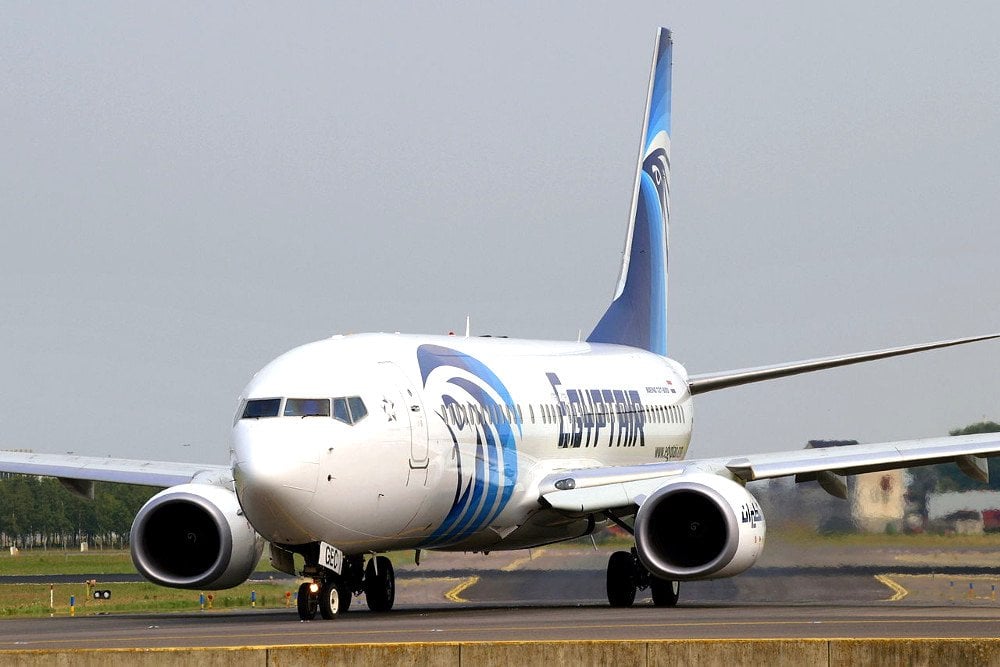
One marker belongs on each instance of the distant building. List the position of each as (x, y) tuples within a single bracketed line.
[(964, 512), (878, 501)]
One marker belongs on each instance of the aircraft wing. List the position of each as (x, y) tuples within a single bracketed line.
[(705, 382), (127, 471), (610, 488)]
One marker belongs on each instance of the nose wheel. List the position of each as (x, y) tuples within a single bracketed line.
[(380, 584), (627, 575), (308, 602), (331, 594), (334, 598)]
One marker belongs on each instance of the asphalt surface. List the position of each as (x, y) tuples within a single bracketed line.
[(522, 601)]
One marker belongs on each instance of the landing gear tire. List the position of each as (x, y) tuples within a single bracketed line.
[(306, 603), (380, 584), (621, 579), (665, 592), (332, 599)]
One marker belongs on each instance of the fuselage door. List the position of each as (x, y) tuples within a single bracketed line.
[(409, 412)]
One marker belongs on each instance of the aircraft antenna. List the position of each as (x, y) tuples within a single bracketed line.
[(468, 325)]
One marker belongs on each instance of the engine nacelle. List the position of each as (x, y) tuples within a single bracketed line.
[(194, 536), (699, 526)]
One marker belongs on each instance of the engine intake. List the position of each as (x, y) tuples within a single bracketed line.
[(194, 536), (699, 526)]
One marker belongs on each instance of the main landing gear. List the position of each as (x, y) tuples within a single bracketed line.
[(331, 593), (626, 575)]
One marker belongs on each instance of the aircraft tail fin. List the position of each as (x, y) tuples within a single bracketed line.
[(638, 314)]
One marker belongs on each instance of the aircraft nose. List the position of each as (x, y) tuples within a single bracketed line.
[(275, 469)]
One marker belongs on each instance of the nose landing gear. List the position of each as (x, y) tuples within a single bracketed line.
[(380, 584), (331, 594), (626, 575)]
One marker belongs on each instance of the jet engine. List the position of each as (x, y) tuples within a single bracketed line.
[(699, 526), (194, 536)]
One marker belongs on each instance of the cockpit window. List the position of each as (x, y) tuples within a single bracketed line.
[(307, 407), (347, 409), (340, 410), (358, 410), (261, 407)]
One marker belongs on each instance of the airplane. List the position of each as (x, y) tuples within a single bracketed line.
[(347, 448)]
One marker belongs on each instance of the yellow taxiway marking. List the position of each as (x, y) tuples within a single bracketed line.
[(510, 567), (455, 593), (898, 592)]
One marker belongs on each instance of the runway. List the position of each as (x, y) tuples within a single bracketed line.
[(536, 604)]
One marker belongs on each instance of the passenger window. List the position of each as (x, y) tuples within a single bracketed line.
[(307, 407), (340, 412), (358, 409), (261, 407)]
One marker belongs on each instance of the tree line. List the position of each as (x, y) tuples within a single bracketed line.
[(38, 512)]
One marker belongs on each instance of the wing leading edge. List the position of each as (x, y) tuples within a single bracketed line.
[(705, 382), (161, 474), (611, 488)]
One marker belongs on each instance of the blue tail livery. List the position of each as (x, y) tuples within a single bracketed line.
[(638, 314)]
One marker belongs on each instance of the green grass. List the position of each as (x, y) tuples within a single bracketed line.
[(57, 561), (33, 599)]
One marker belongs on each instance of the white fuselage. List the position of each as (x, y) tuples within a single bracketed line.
[(450, 437)]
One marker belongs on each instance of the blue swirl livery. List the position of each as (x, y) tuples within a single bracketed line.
[(482, 407), (638, 314)]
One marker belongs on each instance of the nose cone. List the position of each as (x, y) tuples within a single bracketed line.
[(275, 466)]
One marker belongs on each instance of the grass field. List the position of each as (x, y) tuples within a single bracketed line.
[(33, 599), (57, 561)]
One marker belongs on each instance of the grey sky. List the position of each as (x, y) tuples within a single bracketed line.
[(188, 191)]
